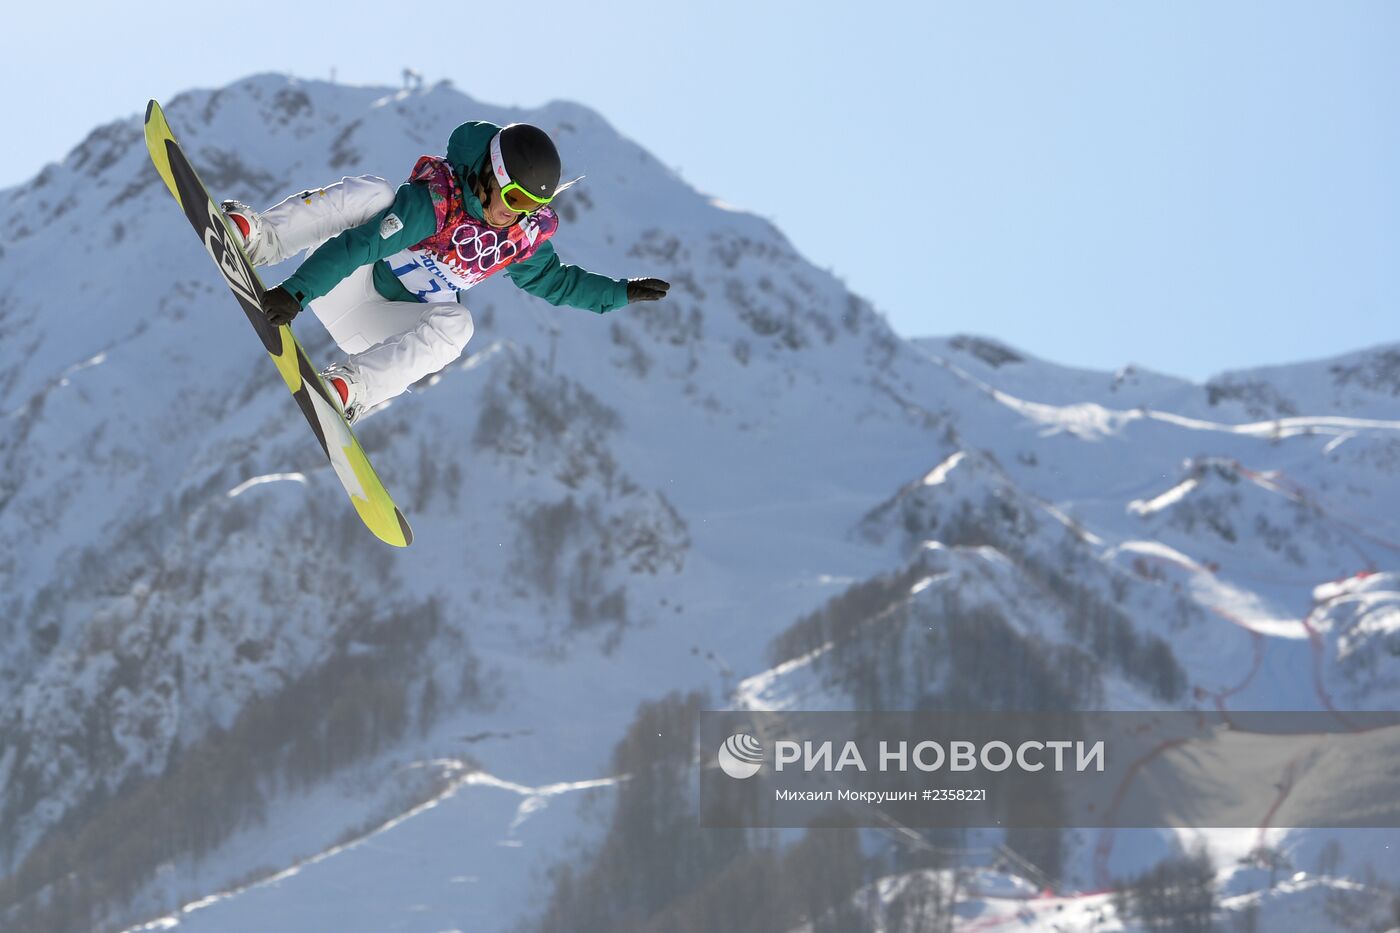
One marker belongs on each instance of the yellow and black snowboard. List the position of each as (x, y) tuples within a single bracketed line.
[(370, 499)]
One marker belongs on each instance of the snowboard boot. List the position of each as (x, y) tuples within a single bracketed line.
[(345, 382), (249, 224)]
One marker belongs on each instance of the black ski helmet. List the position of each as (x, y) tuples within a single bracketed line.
[(530, 158)]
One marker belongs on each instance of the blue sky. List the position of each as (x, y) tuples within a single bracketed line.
[(1189, 186)]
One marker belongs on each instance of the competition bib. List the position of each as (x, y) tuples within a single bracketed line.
[(463, 251)]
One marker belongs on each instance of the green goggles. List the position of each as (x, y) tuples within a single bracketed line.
[(521, 201)]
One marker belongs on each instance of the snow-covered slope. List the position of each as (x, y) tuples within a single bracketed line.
[(1361, 384), (227, 706), (992, 900)]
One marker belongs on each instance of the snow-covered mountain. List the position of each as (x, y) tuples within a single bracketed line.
[(227, 707)]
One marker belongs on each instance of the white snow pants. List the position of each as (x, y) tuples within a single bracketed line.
[(392, 344)]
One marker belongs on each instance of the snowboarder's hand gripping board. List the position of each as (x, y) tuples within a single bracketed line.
[(280, 306), (373, 503)]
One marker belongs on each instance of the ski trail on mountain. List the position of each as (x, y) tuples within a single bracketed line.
[(1092, 421), (462, 774)]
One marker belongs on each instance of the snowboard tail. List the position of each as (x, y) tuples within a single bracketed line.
[(372, 501)]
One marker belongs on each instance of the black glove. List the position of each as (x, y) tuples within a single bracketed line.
[(646, 289), (279, 306)]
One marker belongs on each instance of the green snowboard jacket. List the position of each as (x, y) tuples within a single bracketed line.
[(542, 275)]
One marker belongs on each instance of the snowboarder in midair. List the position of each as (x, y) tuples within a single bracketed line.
[(388, 263)]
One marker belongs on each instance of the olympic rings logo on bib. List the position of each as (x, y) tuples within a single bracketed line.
[(462, 250), (482, 249)]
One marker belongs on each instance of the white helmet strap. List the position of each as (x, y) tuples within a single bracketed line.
[(498, 164)]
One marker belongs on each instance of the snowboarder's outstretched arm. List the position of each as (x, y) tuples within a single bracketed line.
[(544, 276)]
